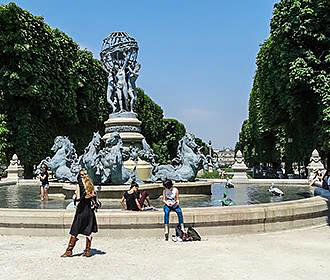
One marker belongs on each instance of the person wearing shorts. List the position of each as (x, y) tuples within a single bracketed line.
[(44, 183)]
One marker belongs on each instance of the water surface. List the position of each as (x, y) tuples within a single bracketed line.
[(28, 197)]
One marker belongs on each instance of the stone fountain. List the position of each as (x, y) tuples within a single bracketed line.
[(122, 154)]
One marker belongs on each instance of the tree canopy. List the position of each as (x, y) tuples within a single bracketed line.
[(49, 87), (161, 133), (290, 97), (3, 139)]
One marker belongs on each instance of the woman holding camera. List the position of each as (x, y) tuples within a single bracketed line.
[(84, 221)]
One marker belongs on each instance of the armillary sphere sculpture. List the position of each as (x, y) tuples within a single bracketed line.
[(118, 55)]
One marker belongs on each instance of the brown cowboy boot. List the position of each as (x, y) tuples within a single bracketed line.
[(72, 243), (87, 251)]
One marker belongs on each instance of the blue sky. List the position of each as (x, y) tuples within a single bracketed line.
[(198, 57)]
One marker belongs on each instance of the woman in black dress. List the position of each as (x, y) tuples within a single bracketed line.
[(84, 220)]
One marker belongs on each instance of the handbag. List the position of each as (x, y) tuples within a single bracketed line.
[(95, 204)]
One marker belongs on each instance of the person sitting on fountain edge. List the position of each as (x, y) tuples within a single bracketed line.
[(135, 200), (171, 203), (319, 180), (326, 179)]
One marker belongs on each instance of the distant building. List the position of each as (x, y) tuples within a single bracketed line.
[(226, 156)]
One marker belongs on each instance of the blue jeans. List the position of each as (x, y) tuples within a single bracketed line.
[(167, 211)]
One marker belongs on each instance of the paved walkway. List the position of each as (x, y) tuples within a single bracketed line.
[(298, 254)]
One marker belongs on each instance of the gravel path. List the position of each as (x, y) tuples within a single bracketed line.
[(298, 254)]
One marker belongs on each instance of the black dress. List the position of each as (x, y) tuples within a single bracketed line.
[(84, 221)]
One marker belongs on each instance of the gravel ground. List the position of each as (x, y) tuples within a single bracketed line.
[(298, 254)]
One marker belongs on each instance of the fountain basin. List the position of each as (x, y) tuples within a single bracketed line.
[(116, 223), (207, 220)]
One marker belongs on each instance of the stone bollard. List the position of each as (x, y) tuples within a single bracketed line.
[(15, 170), (239, 169), (314, 164)]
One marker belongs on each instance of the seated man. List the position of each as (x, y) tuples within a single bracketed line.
[(326, 180), (134, 199)]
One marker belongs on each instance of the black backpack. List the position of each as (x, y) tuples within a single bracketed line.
[(183, 235), (193, 234)]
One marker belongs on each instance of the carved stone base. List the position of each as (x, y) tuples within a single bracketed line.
[(143, 168), (239, 169), (240, 177), (128, 126)]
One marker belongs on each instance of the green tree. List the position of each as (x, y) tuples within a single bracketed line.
[(49, 87), (290, 97), (151, 115), (162, 134), (169, 137), (3, 139), (205, 149)]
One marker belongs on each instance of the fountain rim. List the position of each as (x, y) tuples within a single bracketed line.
[(207, 220)]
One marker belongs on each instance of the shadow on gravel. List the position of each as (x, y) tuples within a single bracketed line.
[(93, 253), (97, 252)]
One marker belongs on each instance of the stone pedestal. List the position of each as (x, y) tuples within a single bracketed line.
[(239, 169), (15, 170), (128, 126), (315, 164)]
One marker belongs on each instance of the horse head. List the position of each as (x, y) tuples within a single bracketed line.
[(188, 141), (58, 143), (96, 141)]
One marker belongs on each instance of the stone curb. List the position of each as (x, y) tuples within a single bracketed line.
[(208, 221)]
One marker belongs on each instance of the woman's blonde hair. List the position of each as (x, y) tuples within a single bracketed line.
[(89, 187)]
